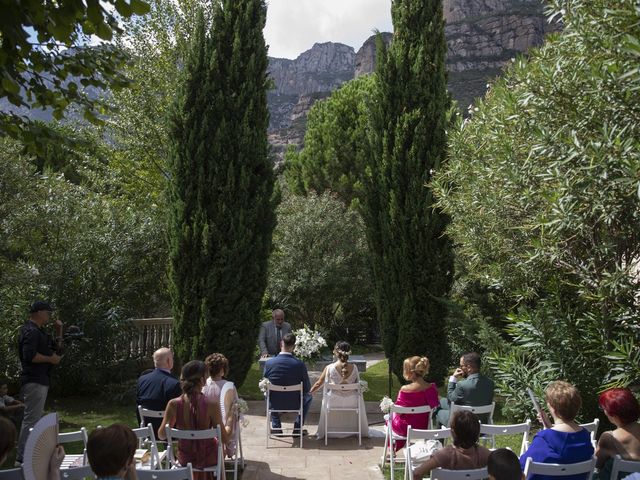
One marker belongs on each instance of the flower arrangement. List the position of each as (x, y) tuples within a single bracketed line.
[(308, 344), (262, 385), (243, 407), (364, 386), (385, 404)]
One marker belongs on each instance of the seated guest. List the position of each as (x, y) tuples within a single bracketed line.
[(565, 441), (417, 393), (218, 367), (285, 369), (467, 386), (111, 452), (193, 411), (9, 406), (503, 464), (157, 387), (622, 409), (464, 454)]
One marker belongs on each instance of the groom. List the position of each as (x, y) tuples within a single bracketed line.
[(285, 369)]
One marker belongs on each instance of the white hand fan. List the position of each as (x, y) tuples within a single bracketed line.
[(40, 445)]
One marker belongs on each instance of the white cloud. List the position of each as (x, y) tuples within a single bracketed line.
[(293, 26)]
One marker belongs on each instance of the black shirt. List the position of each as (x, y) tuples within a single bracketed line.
[(34, 340)]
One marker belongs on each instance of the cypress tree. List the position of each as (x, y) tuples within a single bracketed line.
[(221, 193), (411, 256)]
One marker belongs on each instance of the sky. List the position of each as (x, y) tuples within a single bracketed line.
[(293, 26)]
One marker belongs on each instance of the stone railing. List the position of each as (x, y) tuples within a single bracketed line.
[(149, 335)]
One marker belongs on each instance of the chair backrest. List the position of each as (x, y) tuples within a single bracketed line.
[(11, 474), (174, 434), (145, 435), (346, 388), (593, 428), (514, 429), (76, 473), (398, 410), (146, 413), (559, 469), (415, 434), (181, 473), (284, 389), (477, 409), (77, 436), (475, 474), (626, 466)]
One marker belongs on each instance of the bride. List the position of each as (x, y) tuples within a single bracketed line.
[(339, 372)]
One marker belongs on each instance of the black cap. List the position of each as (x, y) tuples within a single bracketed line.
[(39, 306)]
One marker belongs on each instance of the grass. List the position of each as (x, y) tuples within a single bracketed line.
[(378, 378)]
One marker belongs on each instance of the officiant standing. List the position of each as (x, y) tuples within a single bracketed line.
[(271, 334)]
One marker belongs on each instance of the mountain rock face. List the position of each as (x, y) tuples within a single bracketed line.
[(482, 36)]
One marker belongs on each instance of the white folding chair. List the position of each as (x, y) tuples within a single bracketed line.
[(475, 474), (289, 389), (478, 410), (559, 469), (12, 474), (414, 435), (353, 389), (514, 429), (593, 428), (74, 460), (238, 457), (391, 437), (77, 473), (620, 465), (182, 473), (146, 413), (173, 434), (146, 437)]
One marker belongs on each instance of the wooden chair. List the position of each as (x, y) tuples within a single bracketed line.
[(593, 428), (475, 474), (514, 429), (353, 389), (559, 469), (181, 473), (620, 465), (77, 473), (173, 434), (289, 389), (391, 437), (413, 435)]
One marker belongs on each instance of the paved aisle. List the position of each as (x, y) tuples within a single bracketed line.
[(342, 459)]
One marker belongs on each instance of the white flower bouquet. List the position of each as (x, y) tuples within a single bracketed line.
[(385, 404), (262, 384), (364, 386), (242, 405), (308, 344)]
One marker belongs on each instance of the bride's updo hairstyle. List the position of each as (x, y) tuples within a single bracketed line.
[(342, 351), (415, 367), (191, 376)]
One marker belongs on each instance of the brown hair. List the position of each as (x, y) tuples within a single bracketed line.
[(418, 366), (191, 374), (215, 363), (503, 464), (289, 340), (342, 351), (465, 429), (564, 398), (8, 437), (111, 449)]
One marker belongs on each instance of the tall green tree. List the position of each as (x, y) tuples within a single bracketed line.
[(222, 209), (411, 255)]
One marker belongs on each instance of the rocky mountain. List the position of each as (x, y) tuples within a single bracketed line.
[(482, 35)]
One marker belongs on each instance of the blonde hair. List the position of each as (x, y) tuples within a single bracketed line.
[(415, 367), (564, 398)]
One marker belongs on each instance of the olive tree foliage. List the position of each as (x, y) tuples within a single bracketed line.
[(87, 252), (47, 60), (318, 270), (336, 147), (542, 185)]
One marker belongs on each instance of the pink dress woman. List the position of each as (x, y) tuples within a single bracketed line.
[(201, 453), (428, 396)]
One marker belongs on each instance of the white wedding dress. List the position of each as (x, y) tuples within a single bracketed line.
[(344, 421)]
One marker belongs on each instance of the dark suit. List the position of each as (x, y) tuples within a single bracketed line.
[(475, 390), (155, 389), (268, 337), (285, 369)]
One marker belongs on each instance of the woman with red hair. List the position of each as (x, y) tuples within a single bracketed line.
[(622, 409)]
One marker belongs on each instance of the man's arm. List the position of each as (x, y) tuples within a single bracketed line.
[(455, 391), (30, 351), (262, 341), (306, 384)]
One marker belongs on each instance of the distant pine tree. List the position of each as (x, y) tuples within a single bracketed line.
[(221, 194), (412, 257)]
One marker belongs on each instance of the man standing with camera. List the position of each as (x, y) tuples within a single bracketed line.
[(38, 355)]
